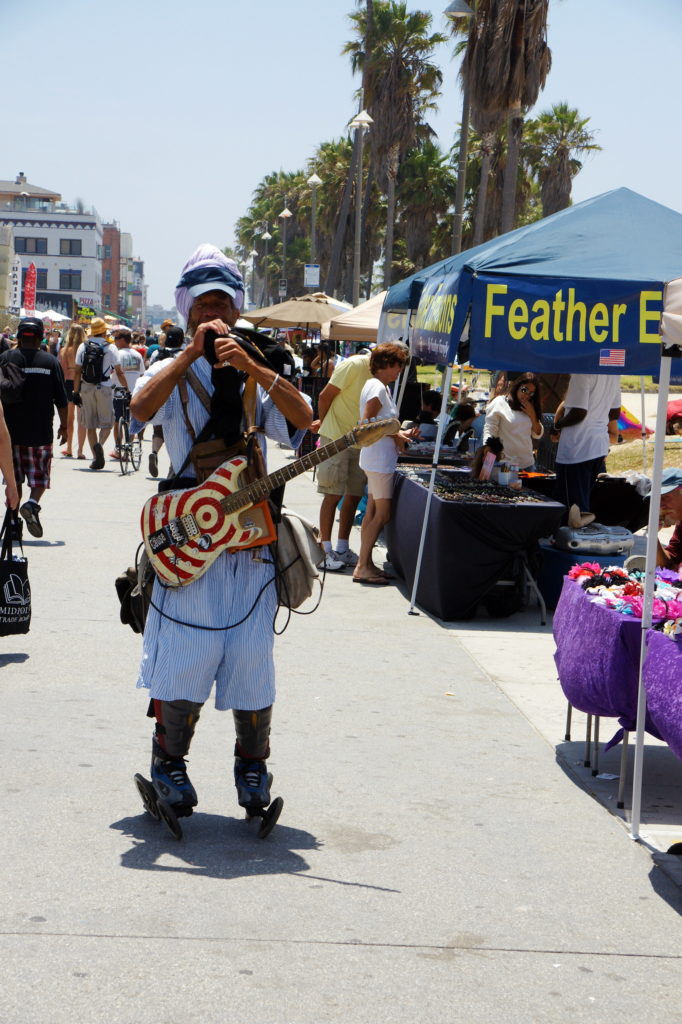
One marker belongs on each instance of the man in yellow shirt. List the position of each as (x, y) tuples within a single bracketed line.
[(341, 476)]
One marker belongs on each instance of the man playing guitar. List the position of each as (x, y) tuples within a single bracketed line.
[(219, 629)]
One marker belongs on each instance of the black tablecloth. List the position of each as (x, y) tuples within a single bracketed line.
[(468, 548)]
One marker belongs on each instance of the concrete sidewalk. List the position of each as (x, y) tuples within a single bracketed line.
[(433, 861)]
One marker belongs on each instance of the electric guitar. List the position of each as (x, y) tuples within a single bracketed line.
[(185, 531)]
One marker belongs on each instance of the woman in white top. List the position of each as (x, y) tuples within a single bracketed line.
[(515, 419), (379, 459)]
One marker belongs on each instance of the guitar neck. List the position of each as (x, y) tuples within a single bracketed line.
[(260, 489)]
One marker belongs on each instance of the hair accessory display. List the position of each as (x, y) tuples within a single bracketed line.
[(623, 592)]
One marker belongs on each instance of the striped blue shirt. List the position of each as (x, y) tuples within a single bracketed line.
[(181, 661)]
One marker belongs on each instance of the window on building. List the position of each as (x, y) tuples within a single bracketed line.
[(41, 278), (70, 280), (107, 277), (70, 247), (31, 245), (107, 252), (107, 301)]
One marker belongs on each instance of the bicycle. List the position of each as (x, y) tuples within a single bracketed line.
[(129, 446)]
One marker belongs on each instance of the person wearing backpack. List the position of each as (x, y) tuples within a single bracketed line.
[(97, 361), (29, 416)]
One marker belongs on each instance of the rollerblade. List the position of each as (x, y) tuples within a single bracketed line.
[(170, 794), (253, 782)]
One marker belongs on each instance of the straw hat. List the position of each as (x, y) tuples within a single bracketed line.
[(98, 327)]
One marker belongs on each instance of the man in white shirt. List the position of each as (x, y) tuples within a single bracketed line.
[(133, 367), (582, 430)]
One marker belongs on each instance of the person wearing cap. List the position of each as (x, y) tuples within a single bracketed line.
[(97, 400), (30, 420), (217, 630), (671, 515)]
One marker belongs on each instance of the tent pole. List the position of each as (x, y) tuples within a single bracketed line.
[(643, 417), (436, 452), (401, 384), (648, 604)]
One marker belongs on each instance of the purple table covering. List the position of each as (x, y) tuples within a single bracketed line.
[(663, 684), (597, 658)]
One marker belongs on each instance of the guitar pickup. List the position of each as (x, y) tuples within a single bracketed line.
[(189, 525), (174, 534)]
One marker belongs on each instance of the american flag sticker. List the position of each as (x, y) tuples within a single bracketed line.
[(612, 357)]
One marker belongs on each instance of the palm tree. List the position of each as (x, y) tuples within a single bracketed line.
[(555, 141), (400, 85), (505, 65), (425, 187)]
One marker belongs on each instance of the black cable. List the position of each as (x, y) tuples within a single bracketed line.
[(279, 574)]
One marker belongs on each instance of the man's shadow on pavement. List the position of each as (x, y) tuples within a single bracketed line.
[(214, 846)]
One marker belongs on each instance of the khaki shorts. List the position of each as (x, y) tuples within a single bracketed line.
[(341, 474), (98, 406), (380, 485)]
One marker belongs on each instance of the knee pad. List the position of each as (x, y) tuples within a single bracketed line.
[(253, 730), (175, 724)]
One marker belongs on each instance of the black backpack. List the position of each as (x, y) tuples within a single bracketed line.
[(165, 353), (93, 362), (12, 380)]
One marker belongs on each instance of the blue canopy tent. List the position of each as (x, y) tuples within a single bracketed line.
[(592, 289)]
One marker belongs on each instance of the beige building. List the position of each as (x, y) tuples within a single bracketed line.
[(64, 243)]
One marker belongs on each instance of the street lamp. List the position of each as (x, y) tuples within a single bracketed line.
[(461, 9), (360, 122), (284, 217), (253, 254), (314, 180), (266, 236)]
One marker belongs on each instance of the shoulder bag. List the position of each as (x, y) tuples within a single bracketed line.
[(15, 590)]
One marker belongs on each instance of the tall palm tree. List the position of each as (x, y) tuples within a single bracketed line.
[(556, 139), (505, 65), (425, 187), (400, 85)]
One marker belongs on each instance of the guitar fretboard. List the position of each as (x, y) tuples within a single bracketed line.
[(260, 489)]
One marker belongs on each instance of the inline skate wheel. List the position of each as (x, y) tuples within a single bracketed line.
[(168, 817), (148, 795), (270, 817)]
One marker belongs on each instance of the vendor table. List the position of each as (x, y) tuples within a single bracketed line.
[(663, 684), (422, 455), (597, 655), (469, 545), (597, 658)]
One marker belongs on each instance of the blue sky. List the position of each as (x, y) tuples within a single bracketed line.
[(165, 116)]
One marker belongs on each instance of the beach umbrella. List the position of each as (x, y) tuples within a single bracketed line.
[(306, 311)]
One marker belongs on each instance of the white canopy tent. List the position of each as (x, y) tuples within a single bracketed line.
[(359, 324)]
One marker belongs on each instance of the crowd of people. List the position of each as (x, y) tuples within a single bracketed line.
[(86, 374)]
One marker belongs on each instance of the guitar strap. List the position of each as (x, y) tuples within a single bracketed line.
[(206, 455)]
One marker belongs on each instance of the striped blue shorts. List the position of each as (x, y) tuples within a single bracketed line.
[(180, 662)]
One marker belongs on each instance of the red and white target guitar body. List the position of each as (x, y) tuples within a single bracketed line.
[(185, 531)]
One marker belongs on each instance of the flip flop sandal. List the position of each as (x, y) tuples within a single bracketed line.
[(373, 581)]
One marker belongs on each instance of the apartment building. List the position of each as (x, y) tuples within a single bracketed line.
[(66, 245), (111, 268)]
